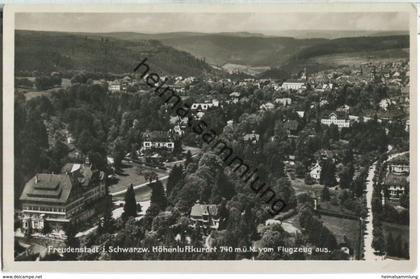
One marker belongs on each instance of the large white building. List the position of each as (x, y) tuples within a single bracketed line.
[(294, 85), (333, 119), (114, 86), (158, 140)]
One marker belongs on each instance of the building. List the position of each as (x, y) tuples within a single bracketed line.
[(205, 106), (114, 86), (315, 172), (291, 126), (400, 165), (334, 119), (283, 101), (396, 185), (294, 85), (267, 106), (205, 215), (251, 138), (64, 198), (158, 140), (301, 113)]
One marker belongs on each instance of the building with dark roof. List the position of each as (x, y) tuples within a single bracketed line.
[(396, 185), (61, 198), (400, 165), (205, 215), (158, 140)]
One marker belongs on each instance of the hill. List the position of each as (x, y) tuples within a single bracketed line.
[(258, 50), (56, 51), (221, 49), (358, 44)]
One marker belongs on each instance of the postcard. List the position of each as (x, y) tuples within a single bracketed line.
[(209, 138)]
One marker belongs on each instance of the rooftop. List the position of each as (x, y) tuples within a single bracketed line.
[(198, 210), (392, 180), (44, 187), (403, 159)]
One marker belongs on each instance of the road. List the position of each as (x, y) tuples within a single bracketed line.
[(163, 178), (368, 238)]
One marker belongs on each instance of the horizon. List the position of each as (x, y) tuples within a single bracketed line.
[(322, 34), (263, 23)]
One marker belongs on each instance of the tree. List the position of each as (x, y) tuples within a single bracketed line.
[(158, 195), (309, 180), (188, 158), (358, 185), (327, 175), (47, 227), (174, 177), (109, 222), (405, 200), (118, 152), (325, 194), (346, 176), (71, 241), (390, 245), (150, 176), (300, 170), (130, 207)]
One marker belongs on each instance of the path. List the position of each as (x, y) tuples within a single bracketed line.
[(368, 238), (163, 178)]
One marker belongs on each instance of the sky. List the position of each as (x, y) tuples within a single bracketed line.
[(210, 22)]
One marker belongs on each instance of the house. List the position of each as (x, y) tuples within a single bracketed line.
[(205, 106), (294, 85), (324, 154), (334, 119), (234, 96), (251, 138), (384, 104), (396, 185), (291, 126), (267, 106), (283, 101), (61, 198), (158, 140), (301, 113), (205, 215), (400, 165), (315, 171), (343, 109), (114, 86)]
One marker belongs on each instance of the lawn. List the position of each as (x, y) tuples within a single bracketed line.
[(341, 227), (128, 175), (300, 187), (395, 230)]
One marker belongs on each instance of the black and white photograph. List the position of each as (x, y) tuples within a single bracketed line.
[(212, 136)]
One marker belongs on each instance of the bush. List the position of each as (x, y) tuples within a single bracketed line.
[(309, 180)]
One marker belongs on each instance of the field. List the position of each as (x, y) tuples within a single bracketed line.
[(395, 230), (341, 227), (357, 58), (300, 187), (129, 175), (232, 68)]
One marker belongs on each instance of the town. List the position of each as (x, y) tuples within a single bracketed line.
[(101, 161)]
